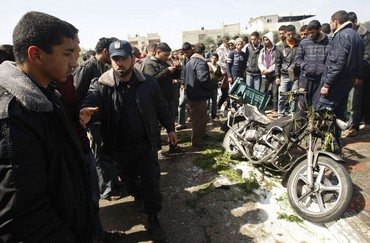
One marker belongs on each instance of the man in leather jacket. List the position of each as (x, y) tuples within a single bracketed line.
[(131, 104), (341, 68)]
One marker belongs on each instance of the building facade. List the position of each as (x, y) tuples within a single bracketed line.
[(197, 36), (268, 23), (139, 41)]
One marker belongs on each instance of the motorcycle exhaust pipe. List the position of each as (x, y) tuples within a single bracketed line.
[(341, 124)]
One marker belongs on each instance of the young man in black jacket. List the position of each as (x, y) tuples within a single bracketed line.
[(285, 68), (130, 105), (342, 67), (159, 67), (198, 89), (45, 187)]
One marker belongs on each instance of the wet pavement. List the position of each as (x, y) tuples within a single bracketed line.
[(354, 226)]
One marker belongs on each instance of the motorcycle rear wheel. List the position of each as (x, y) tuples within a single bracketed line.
[(330, 197), (228, 143)]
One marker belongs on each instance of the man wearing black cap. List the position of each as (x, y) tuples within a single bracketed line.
[(131, 103)]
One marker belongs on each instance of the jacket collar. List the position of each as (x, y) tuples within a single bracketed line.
[(196, 55), (362, 30), (321, 38), (344, 25), (296, 42), (16, 82), (107, 78)]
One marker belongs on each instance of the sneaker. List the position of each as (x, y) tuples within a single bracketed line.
[(155, 229), (162, 154), (352, 133), (180, 127)]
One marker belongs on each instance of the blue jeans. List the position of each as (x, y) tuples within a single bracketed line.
[(285, 85), (254, 81), (212, 103), (182, 107)]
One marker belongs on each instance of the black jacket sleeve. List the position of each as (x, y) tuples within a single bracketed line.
[(26, 211)]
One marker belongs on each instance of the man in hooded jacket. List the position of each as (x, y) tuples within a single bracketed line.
[(266, 64)]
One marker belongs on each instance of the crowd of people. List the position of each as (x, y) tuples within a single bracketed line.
[(75, 132)]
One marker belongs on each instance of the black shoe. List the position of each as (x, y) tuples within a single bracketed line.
[(113, 236), (337, 149), (155, 229), (174, 149)]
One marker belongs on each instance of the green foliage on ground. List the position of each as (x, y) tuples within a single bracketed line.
[(290, 217), (219, 162)]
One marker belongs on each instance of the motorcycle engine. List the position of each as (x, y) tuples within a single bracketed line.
[(260, 150), (251, 135), (263, 148)]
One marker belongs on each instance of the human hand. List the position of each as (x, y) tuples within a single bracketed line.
[(358, 83), (85, 115), (173, 138), (278, 81), (324, 91), (171, 69)]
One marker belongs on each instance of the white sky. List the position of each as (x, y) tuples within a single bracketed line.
[(168, 18)]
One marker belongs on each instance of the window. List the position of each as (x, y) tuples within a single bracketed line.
[(202, 37)]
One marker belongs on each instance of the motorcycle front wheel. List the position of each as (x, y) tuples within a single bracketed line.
[(228, 143), (331, 195)]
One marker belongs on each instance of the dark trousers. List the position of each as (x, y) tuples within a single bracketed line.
[(212, 103), (199, 120), (312, 87), (268, 84), (337, 101), (171, 110), (105, 166), (365, 110), (139, 168), (99, 231), (224, 97)]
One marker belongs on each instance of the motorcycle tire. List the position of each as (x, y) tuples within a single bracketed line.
[(331, 195), (238, 119), (229, 145)]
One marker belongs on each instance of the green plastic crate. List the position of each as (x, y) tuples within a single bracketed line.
[(241, 91)]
